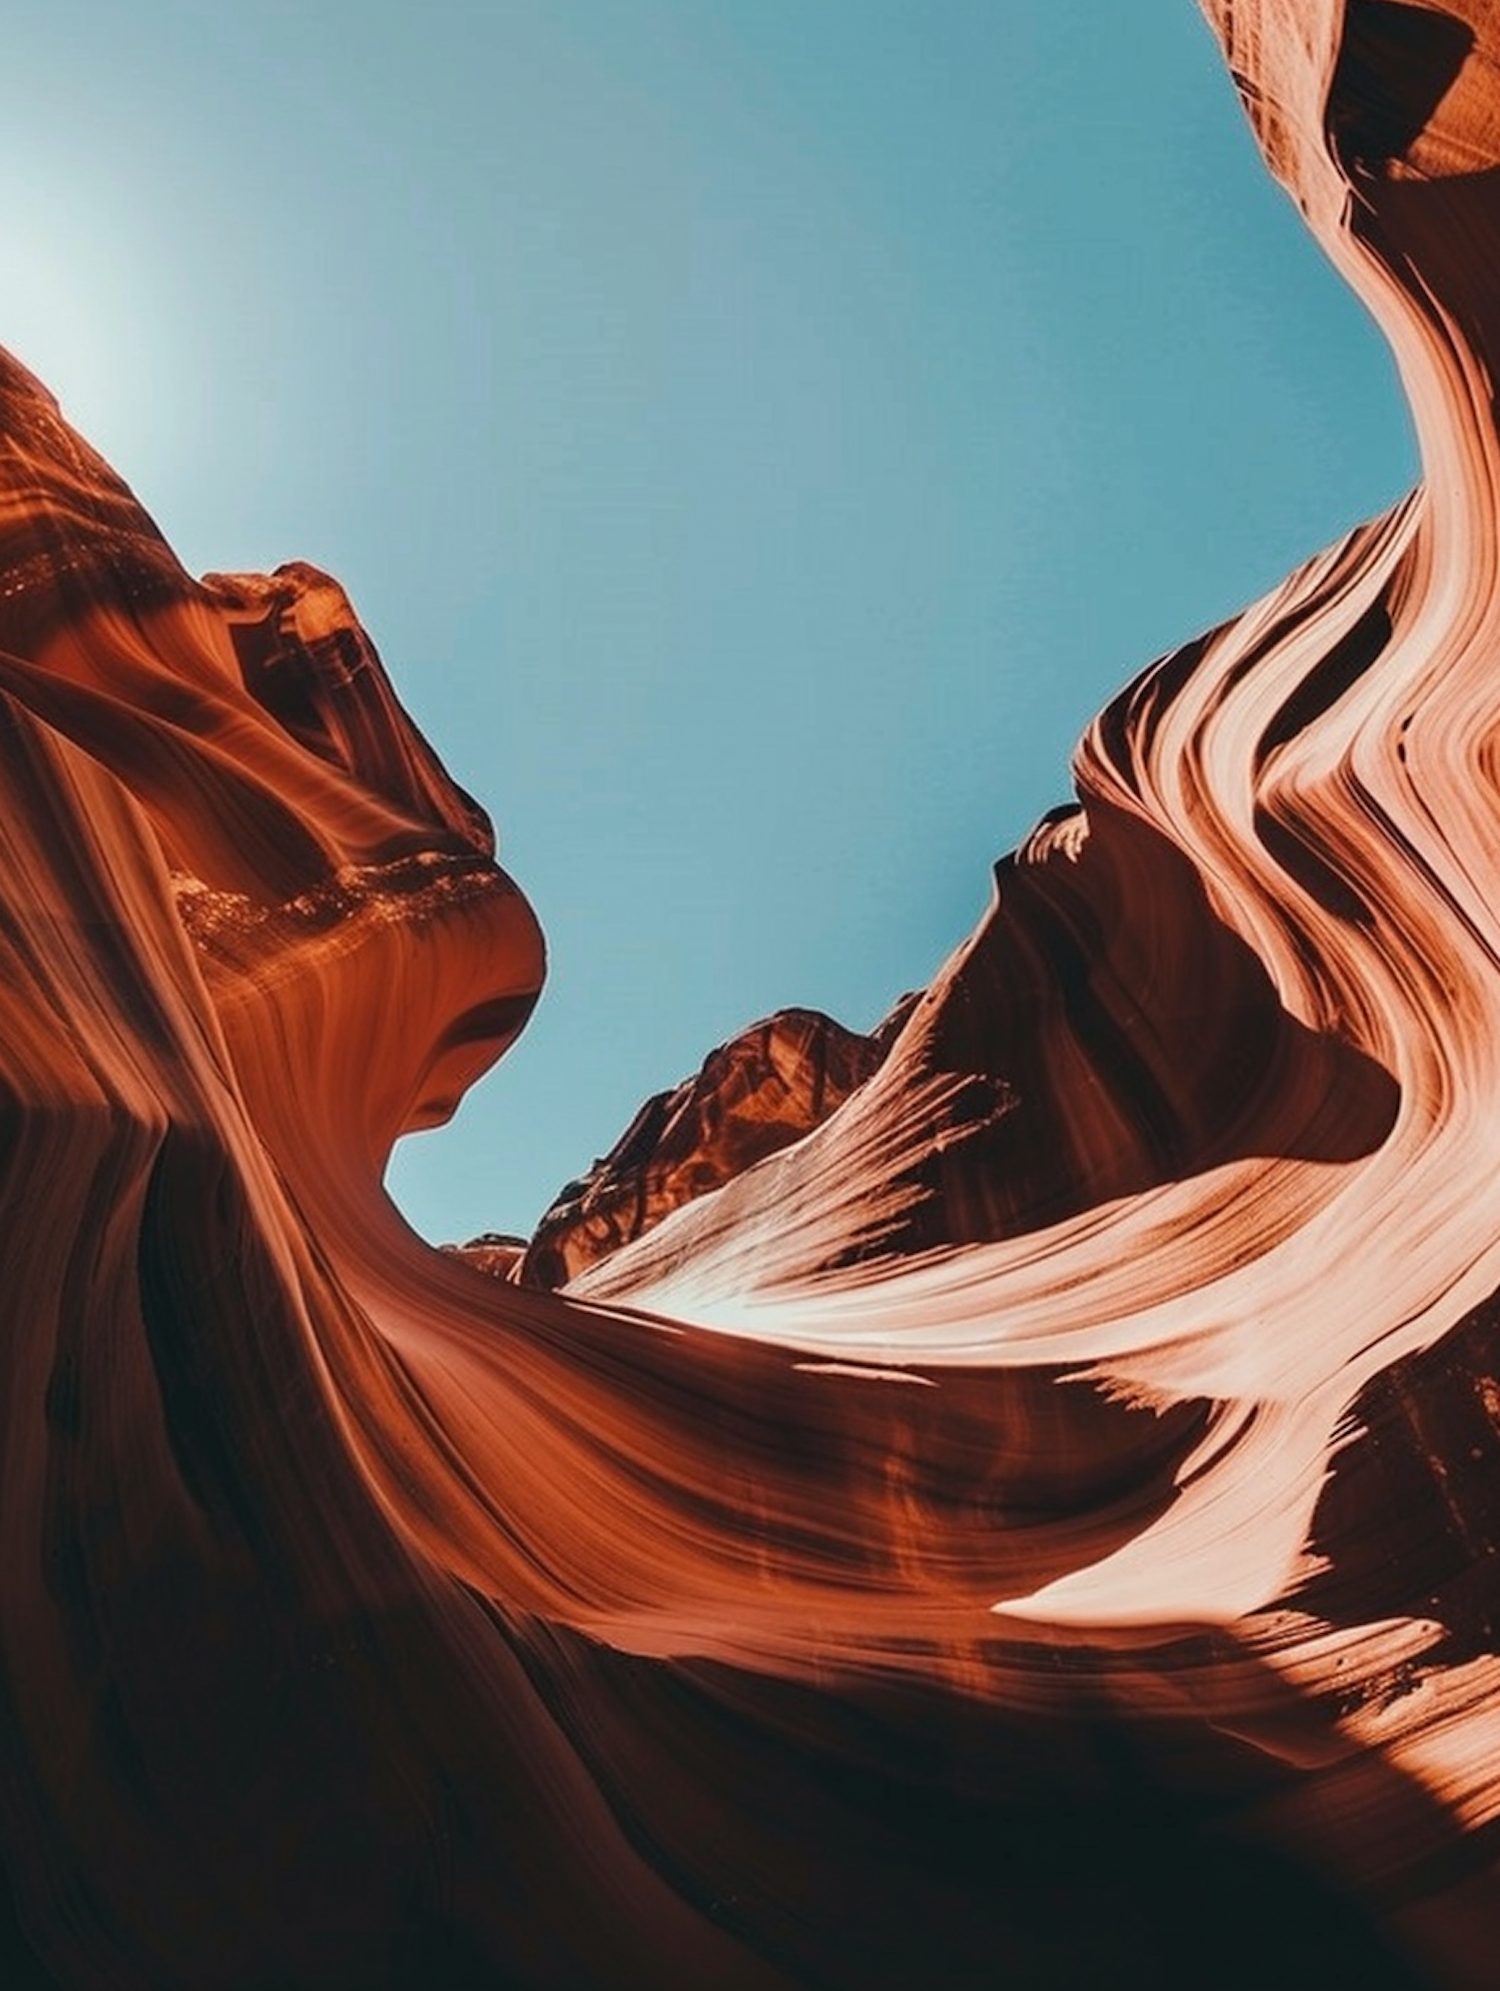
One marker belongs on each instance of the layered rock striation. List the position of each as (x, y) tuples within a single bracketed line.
[(1014, 1498)]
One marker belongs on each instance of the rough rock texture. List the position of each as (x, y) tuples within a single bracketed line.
[(498, 1253), (1038, 1526), (755, 1095)]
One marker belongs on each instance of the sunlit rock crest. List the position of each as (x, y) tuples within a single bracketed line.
[(755, 1095), (1017, 1500)]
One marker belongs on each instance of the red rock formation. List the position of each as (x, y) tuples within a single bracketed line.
[(1038, 1524), (755, 1095)]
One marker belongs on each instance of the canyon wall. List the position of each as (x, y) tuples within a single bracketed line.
[(1015, 1498)]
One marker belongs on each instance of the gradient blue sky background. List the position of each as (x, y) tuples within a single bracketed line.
[(758, 434)]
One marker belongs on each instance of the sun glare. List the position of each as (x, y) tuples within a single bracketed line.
[(80, 311)]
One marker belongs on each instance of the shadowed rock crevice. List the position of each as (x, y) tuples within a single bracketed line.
[(1011, 1498), (1397, 62)]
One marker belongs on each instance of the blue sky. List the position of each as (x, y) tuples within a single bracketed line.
[(757, 433)]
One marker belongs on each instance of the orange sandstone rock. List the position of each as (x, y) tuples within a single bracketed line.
[(1011, 1501)]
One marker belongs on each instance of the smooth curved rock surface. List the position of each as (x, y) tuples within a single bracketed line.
[(1039, 1524)]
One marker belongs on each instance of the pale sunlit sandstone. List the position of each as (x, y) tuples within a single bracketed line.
[(1014, 1499)]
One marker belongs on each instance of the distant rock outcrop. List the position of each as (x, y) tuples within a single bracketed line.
[(755, 1095), (1013, 1498)]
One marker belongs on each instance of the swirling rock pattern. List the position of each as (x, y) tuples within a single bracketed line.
[(1017, 1502)]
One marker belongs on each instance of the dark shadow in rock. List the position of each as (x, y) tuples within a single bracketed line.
[(1396, 64), (872, 1834), (1138, 1042)]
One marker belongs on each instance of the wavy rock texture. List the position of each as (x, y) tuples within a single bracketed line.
[(1021, 1506)]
